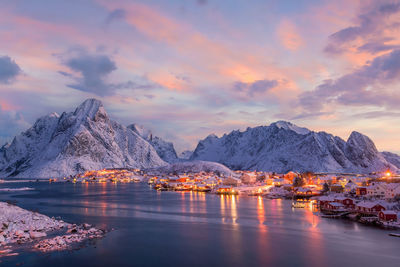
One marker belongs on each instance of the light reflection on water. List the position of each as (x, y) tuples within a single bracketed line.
[(181, 226)]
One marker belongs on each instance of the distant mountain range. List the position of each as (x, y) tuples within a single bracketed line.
[(87, 139), (283, 146)]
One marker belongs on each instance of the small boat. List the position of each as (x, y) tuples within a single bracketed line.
[(161, 188), (298, 205), (394, 234)]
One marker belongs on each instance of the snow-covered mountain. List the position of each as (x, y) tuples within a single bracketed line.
[(164, 149), (85, 139), (197, 166), (392, 158), (185, 155), (283, 146)]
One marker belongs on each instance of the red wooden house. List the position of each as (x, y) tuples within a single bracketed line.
[(323, 200), (388, 215), (369, 208), (361, 191), (334, 206), (347, 202)]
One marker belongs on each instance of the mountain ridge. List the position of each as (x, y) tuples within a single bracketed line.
[(86, 138), (283, 146)]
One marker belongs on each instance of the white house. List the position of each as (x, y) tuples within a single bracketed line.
[(281, 181), (350, 186), (392, 189), (249, 177), (376, 190)]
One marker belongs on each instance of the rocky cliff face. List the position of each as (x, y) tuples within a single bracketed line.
[(283, 147), (164, 149), (392, 158), (185, 155), (85, 139)]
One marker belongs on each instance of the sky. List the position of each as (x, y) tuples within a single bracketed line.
[(189, 68)]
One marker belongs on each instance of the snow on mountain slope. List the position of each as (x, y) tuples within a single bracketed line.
[(289, 126), (141, 130), (196, 166), (165, 149), (185, 155), (85, 139), (392, 158), (283, 147)]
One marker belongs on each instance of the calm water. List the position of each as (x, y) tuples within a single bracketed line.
[(195, 229)]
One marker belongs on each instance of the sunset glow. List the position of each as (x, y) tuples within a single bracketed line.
[(185, 69)]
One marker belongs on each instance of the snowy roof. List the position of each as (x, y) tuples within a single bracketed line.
[(336, 204), (341, 198), (389, 212), (302, 189), (325, 178), (368, 204), (326, 198), (392, 185)]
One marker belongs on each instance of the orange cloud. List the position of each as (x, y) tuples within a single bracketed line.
[(7, 106), (210, 60), (169, 81)]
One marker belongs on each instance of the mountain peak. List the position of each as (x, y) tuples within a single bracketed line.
[(85, 139), (361, 140), (290, 126), (211, 136), (54, 115), (91, 108), (277, 148), (141, 130)]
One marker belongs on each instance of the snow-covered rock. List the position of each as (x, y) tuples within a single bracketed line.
[(392, 158), (283, 147), (185, 155), (290, 126), (164, 149), (20, 225), (196, 166), (74, 142), (361, 151), (34, 234)]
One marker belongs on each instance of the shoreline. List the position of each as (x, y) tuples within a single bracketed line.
[(21, 228)]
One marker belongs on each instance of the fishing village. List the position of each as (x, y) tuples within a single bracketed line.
[(370, 199)]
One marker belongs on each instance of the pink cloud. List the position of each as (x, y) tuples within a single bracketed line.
[(289, 35)]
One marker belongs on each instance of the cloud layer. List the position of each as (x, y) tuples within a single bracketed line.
[(188, 68), (9, 70), (92, 70), (368, 85), (11, 122), (375, 30)]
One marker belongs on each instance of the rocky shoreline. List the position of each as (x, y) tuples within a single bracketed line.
[(39, 232)]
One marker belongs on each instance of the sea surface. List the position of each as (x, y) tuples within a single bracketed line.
[(150, 228)]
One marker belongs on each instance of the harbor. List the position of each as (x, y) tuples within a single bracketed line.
[(144, 220)]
